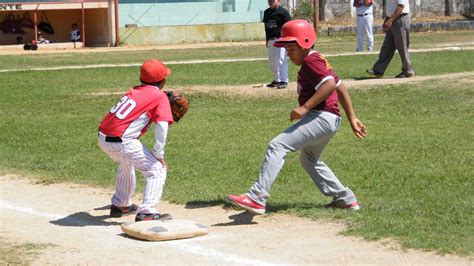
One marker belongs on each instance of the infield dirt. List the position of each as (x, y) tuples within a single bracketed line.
[(260, 90), (73, 221)]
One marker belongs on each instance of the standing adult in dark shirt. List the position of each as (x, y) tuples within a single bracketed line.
[(274, 17)]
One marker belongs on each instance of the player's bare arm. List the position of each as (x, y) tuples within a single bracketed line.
[(389, 21), (323, 92), (357, 127)]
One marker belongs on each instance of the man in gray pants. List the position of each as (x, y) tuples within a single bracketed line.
[(397, 28)]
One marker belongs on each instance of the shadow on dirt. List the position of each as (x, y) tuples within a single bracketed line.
[(80, 219), (364, 78), (285, 207), (105, 207), (239, 219), (197, 204)]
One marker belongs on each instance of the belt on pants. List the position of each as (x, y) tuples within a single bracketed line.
[(402, 15), (363, 15), (113, 139), (110, 138)]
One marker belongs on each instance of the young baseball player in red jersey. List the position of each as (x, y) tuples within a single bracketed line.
[(319, 90), (118, 137)]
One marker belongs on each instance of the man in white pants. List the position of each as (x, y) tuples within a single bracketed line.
[(274, 17), (364, 22)]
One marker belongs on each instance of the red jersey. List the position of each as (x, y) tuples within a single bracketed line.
[(314, 71), (133, 114)]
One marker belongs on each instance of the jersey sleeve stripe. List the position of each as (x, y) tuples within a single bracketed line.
[(322, 82)]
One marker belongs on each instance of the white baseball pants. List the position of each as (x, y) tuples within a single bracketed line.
[(310, 135), (131, 154), (364, 27), (278, 60)]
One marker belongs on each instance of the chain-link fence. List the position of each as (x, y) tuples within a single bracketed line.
[(173, 21), (186, 13), (192, 34)]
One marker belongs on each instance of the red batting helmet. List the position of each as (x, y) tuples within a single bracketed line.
[(299, 31), (153, 71)]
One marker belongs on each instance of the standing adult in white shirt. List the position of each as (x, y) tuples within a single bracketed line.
[(397, 37)]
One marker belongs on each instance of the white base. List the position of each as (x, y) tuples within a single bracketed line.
[(164, 230)]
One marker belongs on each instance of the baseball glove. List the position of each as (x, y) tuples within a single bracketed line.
[(179, 104)]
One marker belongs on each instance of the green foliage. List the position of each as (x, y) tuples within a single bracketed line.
[(305, 10)]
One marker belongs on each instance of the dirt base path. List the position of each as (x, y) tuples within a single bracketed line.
[(73, 220), (260, 90), (363, 83)]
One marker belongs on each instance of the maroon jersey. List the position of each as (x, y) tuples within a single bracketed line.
[(136, 110), (314, 71)]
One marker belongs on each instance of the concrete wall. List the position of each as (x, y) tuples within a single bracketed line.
[(148, 22), (431, 7), (97, 31), (334, 10), (468, 9)]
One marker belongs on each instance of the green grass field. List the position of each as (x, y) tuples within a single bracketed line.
[(412, 174), (20, 254), (325, 44)]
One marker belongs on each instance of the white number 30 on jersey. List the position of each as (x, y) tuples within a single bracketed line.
[(124, 107)]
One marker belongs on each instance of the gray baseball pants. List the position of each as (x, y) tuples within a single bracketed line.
[(397, 38), (310, 135)]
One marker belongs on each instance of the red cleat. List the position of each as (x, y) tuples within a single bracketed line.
[(354, 206), (246, 203)]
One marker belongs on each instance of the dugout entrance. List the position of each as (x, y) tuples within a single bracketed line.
[(21, 22)]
